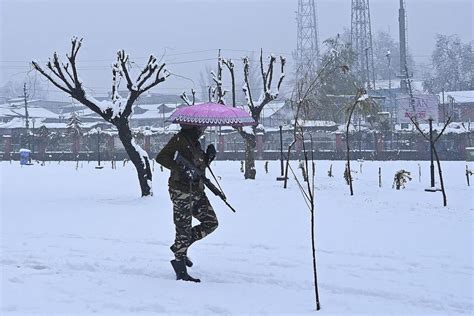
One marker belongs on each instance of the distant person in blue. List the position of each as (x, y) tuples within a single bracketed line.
[(24, 156)]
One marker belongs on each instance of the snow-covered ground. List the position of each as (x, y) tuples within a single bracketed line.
[(83, 242)]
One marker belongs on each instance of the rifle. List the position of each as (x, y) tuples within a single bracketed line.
[(192, 170)]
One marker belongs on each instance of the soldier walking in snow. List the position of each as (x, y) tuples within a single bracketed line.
[(187, 194)]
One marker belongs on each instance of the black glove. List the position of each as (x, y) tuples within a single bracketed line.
[(210, 153), (189, 175)]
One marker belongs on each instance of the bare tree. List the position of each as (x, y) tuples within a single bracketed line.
[(186, 99), (364, 104), (435, 152), (305, 88), (117, 111), (429, 138), (267, 95), (255, 107), (217, 92), (307, 191), (303, 93)]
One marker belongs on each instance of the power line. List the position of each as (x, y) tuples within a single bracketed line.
[(165, 55)]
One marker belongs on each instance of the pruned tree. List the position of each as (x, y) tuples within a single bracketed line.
[(249, 134), (117, 111), (430, 139), (432, 142), (217, 94), (186, 99)]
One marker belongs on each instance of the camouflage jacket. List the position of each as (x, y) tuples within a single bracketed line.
[(187, 145)]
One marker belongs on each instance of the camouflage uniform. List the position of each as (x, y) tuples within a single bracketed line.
[(186, 206), (188, 197)]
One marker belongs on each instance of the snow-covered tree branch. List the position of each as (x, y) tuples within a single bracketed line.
[(116, 111)]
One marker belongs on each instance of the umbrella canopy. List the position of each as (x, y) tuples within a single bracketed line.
[(211, 114)]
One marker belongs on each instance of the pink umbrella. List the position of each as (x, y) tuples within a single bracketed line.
[(211, 114)]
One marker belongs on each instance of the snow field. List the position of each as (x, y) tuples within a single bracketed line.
[(83, 241)]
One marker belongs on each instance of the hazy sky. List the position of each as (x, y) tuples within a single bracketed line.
[(189, 32)]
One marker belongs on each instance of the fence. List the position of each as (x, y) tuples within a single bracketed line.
[(231, 146)]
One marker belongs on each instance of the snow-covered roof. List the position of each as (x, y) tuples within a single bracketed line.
[(159, 106), (316, 123), (37, 112), (151, 114), (458, 96), (271, 108), (341, 128), (7, 110), (417, 85), (18, 122), (453, 128)]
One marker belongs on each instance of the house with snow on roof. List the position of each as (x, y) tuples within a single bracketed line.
[(457, 104)]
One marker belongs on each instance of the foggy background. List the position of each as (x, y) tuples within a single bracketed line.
[(188, 34)]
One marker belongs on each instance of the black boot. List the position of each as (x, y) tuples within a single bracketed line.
[(179, 267)]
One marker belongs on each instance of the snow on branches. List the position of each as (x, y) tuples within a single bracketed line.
[(117, 110), (267, 78), (186, 99), (65, 77)]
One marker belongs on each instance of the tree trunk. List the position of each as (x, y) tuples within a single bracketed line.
[(250, 145), (348, 148), (137, 156), (445, 200)]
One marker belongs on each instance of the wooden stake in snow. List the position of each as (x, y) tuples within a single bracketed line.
[(468, 174), (380, 177), (419, 173)]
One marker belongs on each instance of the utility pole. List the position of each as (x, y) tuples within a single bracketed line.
[(389, 62), (431, 153), (33, 134), (27, 118), (392, 108), (444, 108)]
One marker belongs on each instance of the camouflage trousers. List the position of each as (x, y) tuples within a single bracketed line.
[(185, 207)]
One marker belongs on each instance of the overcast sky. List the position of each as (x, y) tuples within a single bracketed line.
[(189, 32)]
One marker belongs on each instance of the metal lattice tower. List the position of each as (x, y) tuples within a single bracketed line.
[(403, 47), (307, 47), (361, 41)]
